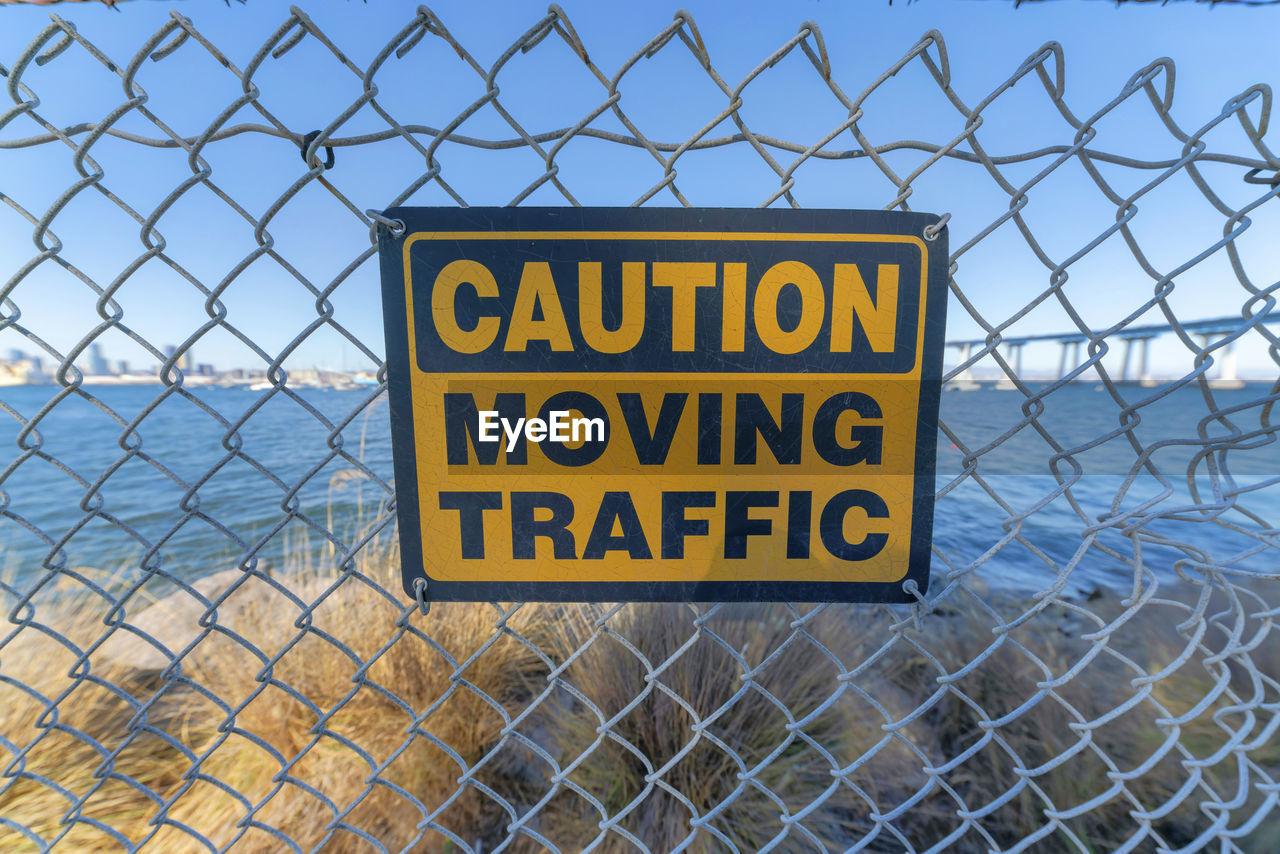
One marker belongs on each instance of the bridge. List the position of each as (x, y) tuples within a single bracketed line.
[(1207, 330)]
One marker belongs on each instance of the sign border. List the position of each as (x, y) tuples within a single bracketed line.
[(656, 223)]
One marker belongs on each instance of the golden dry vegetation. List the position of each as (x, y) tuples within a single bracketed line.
[(336, 718)]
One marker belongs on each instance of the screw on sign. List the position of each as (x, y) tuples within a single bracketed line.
[(650, 404)]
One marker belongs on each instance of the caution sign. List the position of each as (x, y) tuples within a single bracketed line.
[(664, 404)]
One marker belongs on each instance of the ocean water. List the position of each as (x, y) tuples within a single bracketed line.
[(170, 491), (1197, 478)]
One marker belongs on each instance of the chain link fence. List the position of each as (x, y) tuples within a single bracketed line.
[(206, 646)]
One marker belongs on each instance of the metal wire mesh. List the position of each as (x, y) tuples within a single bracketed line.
[(264, 686)]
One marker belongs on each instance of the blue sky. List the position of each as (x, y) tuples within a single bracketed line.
[(1219, 52)]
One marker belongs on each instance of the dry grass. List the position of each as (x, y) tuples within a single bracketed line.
[(1067, 745), (297, 741), (1073, 742), (295, 720), (654, 705)]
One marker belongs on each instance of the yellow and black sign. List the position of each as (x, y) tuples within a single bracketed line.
[(664, 404)]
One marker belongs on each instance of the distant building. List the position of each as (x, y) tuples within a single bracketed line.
[(186, 362), (16, 355), (97, 362), (122, 367), (204, 369), (24, 371)]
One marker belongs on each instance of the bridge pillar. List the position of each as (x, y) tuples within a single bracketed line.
[(1014, 357), (1071, 346), (1226, 377), (963, 381), (1144, 375), (1143, 342), (1228, 372)]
